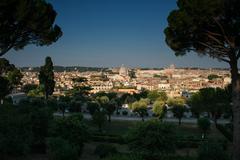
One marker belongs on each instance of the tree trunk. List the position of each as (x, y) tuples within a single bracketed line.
[(204, 134), (109, 118), (235, 108), (161, 119), (46, 96), (117, 110), (179, 121), (142, 118)]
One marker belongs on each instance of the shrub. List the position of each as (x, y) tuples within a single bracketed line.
[(211, 151), (92, 107), (152, 139), (72, 129), (60, 149), (204, 124), (227, 133), (108, 138), (40, 118), (124, 157), (99, 118), (124, 113), (139, 157), (104, 150), (15, 132)]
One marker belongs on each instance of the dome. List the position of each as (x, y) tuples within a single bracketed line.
[(123, 71)]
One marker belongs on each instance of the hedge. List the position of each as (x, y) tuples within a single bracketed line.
[(225, 132)]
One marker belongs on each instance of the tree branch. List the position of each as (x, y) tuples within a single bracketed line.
[(212, 48), (6, 50), (213, 51), (224, 33), (209, 35)]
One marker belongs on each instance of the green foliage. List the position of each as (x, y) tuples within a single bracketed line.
[(40, 122), (129, 99), (92, 107), (10, 77), (71, 129), (195, 103), (211, 151), (140, 107), (212, 76), (28, 87), (124, 113), (124, 157), (40, 117), (209, 27), (178, 107), (80, 80), (159, 109), (211, 100), (61, 149), (153, 95), (27, 22), (162, 96), (156, 95), (99, 118), (80, 93), (14, 77), (204, 124), (227, 133), (152, 139), (52, 104), (46, 77), (103, 100), (5, 87), (176, 101), (110, 108), (194, 26), (5, 66), (75, 106), (178, 111), (15, 132), (38, 92), (108, 138), (104, 150), (64, 104)]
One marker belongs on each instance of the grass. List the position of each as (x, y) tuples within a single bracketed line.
[(117, 127)]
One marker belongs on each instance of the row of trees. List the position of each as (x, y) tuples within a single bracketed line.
[(214, 101)]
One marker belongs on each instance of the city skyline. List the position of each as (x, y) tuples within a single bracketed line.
[(111, 33)]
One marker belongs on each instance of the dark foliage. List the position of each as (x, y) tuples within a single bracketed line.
[(27, 22)]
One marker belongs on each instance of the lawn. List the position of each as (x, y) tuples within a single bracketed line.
[(117, 127)]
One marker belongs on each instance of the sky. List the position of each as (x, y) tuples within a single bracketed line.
[(109, 33)]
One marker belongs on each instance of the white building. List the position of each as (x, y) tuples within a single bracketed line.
[(17, 97)]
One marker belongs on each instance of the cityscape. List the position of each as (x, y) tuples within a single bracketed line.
[(176, 82), (119, 80)]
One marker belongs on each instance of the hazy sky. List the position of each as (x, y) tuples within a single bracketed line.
[(108, 33)]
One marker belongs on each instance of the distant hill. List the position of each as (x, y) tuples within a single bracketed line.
[(67, 69)]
